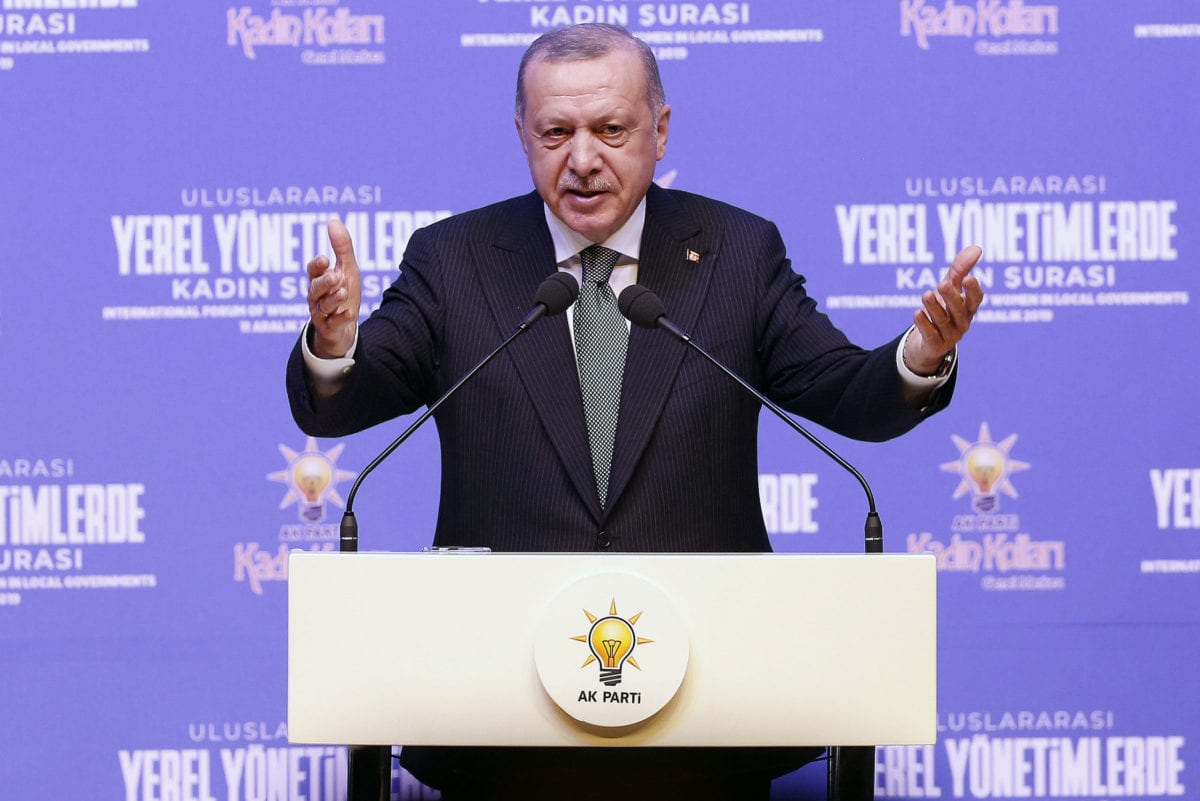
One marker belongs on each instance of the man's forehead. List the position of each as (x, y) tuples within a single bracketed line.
[(615, 70), (615, 62)]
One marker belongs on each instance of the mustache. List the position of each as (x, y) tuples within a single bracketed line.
[(592, 183)]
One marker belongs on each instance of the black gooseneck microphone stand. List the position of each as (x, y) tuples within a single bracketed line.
[(850, 772), (369, 772)]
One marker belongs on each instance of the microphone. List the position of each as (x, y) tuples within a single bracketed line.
[(554, 295), (644, 309)]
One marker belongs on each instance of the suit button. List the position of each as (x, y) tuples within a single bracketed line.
[(603, 541)]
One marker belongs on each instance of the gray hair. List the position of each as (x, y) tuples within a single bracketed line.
[(584, 43)]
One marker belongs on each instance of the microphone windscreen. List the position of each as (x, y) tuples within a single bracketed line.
[(556, 293), (641, 306)]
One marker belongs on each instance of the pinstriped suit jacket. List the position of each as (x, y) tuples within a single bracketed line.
[(516, 466)]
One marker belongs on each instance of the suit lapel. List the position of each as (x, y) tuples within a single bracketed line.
[(510, 269), (670, 244)]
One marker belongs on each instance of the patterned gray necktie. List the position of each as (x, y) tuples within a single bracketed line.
[(601, 338)]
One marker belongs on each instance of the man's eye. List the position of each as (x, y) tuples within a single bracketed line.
[(555, 133), (613, 135)]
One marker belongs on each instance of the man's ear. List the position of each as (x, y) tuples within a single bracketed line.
[(521, 133), (662, 126)]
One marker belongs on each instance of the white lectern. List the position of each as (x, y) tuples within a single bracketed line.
[(781, 649)]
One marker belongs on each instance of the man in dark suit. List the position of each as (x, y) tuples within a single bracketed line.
[(531, 461)]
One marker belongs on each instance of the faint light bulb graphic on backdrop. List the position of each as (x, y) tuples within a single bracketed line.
[(311, 478), (311, 474), (986, 467)]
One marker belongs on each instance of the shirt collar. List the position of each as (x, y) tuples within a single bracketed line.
[(627, 240)]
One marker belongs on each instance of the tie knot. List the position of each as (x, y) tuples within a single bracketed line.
[(598, 262)]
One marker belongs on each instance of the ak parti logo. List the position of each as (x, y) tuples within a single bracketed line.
[(612, 640), (312, 477), (993, 544), (985, 467), (625, 677)]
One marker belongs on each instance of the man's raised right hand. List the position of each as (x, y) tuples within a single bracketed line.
[(334, 296)]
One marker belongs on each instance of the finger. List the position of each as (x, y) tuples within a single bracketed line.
[(326, 282), (961, 305), (317, 266), (973, 291), (343, 248), (330, 303), (934, 306), (963, 263), (931, 338), (334, 293), (958, 318), (324, 291), (327, 294)]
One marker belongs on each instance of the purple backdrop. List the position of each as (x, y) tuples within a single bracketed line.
[(166, 170)]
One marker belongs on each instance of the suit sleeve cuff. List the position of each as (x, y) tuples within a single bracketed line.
[(326, 375), (918, 388)]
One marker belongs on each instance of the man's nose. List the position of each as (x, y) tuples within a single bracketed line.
[(584, 153)]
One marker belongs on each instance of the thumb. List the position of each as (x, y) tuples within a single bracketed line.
[(343, 248)]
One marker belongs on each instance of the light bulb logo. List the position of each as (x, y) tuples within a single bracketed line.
[(612, 640), (985, 467), (311, 474), (311, 477)]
